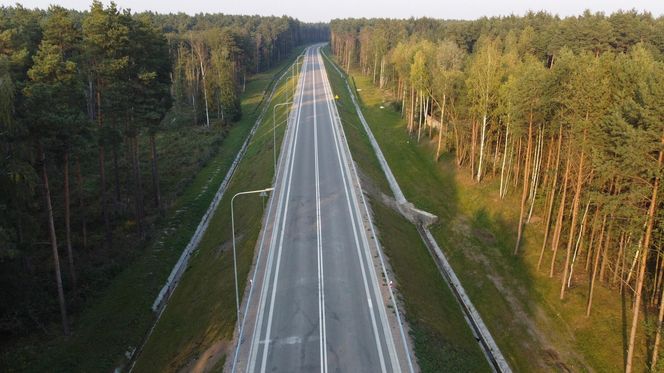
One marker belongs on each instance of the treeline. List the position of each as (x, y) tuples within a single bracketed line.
[(567, 113), (213, 54), (80, 94)]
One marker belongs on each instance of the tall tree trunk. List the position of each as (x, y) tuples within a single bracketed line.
[(138, 187), (403, 99), (207, 110), (619, 260), (559, 219), (536, 174), (605, 255), (427, 117), (592, 239), (421, 116), (70, 254), (102, 179), (382, 72), (194, 83), (54, 241), (578, 248), (510, 168), (473, 146), (658, 280), (81, 204), (575, 213), (411, 115), (496, 148), (658, 334), (482, 135), (598, 252), (644, 259), (375, 66), (155, 173), (626, 244), (440, 131), (517, 164), (552, 198), (502, 168), (524, 194), (634, 262), (547, 168), (116, 176)]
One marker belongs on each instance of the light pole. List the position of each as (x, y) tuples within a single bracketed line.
[(237, 292), (294, 66), (274, 132)]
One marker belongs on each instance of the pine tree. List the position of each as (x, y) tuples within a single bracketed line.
[(54, 105)]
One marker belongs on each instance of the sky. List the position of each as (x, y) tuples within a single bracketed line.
[(316, 11)]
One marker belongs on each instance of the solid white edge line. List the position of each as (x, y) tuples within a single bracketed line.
[(379, 249), (355, 225), (267, 274), (389, 341), (319, 249), (281, 241), (287, 163), (319, 243)]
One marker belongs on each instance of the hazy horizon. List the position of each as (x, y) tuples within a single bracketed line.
[(326, 11)]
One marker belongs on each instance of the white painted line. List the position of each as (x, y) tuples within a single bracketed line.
[(266, 278), (357, 246), (319, 245), (373, 232), (389, 341), (287, 163), (283, 163), (281, 242)]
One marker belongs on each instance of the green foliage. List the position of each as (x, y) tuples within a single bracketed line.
[(98, 91), (565, 112), (484, 77)]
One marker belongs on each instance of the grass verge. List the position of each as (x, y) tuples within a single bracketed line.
[(118, 317), (442, 339), (535, 331)]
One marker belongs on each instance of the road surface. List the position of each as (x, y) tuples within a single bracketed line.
[(318, 299)]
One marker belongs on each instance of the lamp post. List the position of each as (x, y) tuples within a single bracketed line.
[(237, 292), (293, 67), (274, 132)]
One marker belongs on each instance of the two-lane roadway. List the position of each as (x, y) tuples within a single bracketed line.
[(317, 301)]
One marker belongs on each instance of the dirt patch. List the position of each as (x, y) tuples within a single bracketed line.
[(206, 360), (228, 245), (370, 188), (485, 235)]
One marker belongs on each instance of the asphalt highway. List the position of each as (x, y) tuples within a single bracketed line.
[(317, 301)]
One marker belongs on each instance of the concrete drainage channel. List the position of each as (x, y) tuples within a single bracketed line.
[(173, 279), (422, 220)]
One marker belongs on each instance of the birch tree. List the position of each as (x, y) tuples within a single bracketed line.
[(483, 82)]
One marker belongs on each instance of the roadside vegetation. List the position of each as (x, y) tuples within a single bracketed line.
[(111, 153), (542, 157)]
